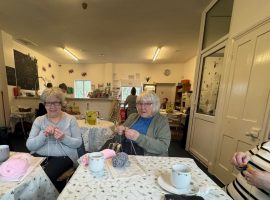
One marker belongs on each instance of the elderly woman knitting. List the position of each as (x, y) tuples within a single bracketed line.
[(146, 132), (55, 135)]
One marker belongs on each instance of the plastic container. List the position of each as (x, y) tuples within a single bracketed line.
[(16, 91), (185, 81)]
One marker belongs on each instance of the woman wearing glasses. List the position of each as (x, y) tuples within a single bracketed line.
[(146, 132), (55, 136)]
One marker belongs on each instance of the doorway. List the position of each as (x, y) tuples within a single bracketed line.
[(206, 104)]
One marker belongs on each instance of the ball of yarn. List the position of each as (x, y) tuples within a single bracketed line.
[(120, 160)]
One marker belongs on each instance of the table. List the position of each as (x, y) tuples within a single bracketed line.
[(36, 185), (175, 119), (174, 113), (21, 117), (95, 136), (83, 185)]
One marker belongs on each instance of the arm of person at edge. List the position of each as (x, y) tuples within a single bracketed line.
[(255, 177), (258, 178)]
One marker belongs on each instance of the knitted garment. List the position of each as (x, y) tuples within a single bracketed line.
[(15, 167)]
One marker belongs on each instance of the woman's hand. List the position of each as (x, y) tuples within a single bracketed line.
[(58, 134), (120, 130), (132, 134), (258, 178), (49, 131), (240, 159)]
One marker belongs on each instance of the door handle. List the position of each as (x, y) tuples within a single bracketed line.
[(253, 135)]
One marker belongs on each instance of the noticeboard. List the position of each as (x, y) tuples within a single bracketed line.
[(26, 71)]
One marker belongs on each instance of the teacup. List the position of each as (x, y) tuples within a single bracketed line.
[(181, 176), (4, 153), (96, 163)]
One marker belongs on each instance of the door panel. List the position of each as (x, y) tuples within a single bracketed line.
[(201, 144), (240, 77), (247, 99)]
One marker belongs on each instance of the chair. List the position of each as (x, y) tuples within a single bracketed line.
[(41, 110), (67, 174), (174, 120)]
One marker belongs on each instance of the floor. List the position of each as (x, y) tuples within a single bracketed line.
[(175, 150)]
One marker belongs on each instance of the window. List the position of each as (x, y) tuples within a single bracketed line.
[(217, 22), (82, 88), (211, 74), (125, 91)]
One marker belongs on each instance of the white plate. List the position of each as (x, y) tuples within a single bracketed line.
[(165, 182)]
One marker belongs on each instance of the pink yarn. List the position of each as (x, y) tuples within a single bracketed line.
[(108, 153)]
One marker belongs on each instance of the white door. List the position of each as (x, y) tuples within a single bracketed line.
[(247, 99), (204, 118)]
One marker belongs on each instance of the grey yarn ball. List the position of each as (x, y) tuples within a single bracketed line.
[(120, 160)]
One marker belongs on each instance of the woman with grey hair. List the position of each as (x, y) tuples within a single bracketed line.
[(55, 135), (146, 132)]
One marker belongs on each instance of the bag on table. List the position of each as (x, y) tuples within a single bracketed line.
[(113, 144)]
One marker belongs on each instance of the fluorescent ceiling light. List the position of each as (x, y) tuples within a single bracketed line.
[(156, 54), (71, 54)]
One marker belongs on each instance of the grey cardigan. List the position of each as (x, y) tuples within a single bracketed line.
[(49, 146), (157, 139)]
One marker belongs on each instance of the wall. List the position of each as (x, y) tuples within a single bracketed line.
[(189, 70), (246, 13), (4, 103), (42, 62), (102, 73), (97, 73), (7, 59)]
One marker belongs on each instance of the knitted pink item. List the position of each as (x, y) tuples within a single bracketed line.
[(14, 168), (108, 153), (85, 160), (24, 156)]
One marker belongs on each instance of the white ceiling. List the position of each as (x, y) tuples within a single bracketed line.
[(108, 31)]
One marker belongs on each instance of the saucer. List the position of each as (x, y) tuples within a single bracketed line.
[(165, 182)]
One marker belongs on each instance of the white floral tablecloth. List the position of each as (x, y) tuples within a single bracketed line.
[(83, 185), (36, 186), (95, 136)]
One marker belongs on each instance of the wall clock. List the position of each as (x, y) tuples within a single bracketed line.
[(167, 72)]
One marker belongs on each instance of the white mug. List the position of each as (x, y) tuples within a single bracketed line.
[(181, 176), (96, 163), (4, 153)]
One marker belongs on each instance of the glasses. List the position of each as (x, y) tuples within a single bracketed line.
[(144, 104), (55, 103)]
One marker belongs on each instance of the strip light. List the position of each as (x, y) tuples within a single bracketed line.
[(71, 54), (156, 54)]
